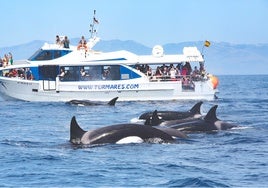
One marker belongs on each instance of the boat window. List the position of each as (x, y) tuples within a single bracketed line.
[(114, 73), (57, 54), (97, 73), (44, 55), (41, 55), (28, 73), (71, 73), (48, 72), (91, 73)]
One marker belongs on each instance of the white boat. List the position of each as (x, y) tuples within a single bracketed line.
[(106, 75)]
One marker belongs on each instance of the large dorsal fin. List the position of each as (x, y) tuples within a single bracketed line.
[(112, 102), (196, 108), (154, 120), (76, 132), (211, 115)]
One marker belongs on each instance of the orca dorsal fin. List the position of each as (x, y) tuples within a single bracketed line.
[(153, 120), (196, 108), (211, 115), (112, 102), (76, 132)]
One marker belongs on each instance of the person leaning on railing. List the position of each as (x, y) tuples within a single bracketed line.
[(82, 43)]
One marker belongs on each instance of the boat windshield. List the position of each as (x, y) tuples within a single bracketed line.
[(42, 55)]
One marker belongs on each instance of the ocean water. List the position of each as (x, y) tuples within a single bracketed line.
[(35, 148)]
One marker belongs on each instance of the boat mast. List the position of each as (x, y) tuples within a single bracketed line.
[(93, 30)]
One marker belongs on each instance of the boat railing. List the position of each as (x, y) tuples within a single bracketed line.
[(187, 82), (177, 78)]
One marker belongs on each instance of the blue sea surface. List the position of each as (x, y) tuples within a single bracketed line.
[(35, 148)]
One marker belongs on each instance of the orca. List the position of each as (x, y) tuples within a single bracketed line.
[(91, 103), (175, 115), (155, 120), (116, 133), (208, 123)]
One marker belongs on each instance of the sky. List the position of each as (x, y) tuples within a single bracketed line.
[(148, 22)]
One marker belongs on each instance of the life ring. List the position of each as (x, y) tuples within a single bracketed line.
[(80, 46)]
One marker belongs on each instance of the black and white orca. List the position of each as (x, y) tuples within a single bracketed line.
[(119, 133), (208, 123), (175, 115), (91, 103)]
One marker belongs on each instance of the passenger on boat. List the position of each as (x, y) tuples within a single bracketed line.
[(29, 74), (143, 68), (178, 73), (66, 42), (196, 74), (84, 75), (165, 72), (13, 73), (83, 72), (184, 70), (149, 72), (179, 67), (203, 73), (58, 42), (137, 67), (201, 66), (82, 43), (5, 60), (10, 58), (172, 73), (1, 62), (62, 73), (21, 73), (106, 75), (158, 72), (189, 68)]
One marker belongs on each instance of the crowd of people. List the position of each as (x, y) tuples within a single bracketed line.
[(65, 42), (171, 72), (182, 72), (22, 73), (6, 60)]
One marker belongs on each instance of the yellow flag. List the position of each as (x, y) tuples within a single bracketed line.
[(207, 43)]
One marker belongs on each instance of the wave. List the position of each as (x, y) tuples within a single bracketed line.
[(244, 140), (22, 143), (193, 182)]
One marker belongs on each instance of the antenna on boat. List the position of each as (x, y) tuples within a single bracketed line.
[(93, 31)]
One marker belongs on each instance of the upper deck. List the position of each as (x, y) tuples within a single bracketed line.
[(53, 54)]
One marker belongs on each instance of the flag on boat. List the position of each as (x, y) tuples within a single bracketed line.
[(95, 21), (207, 43)]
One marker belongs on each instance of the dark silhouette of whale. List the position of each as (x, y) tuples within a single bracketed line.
[(156, 121), (175, 115), (208, 123), (115, 133), (91, 103)]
